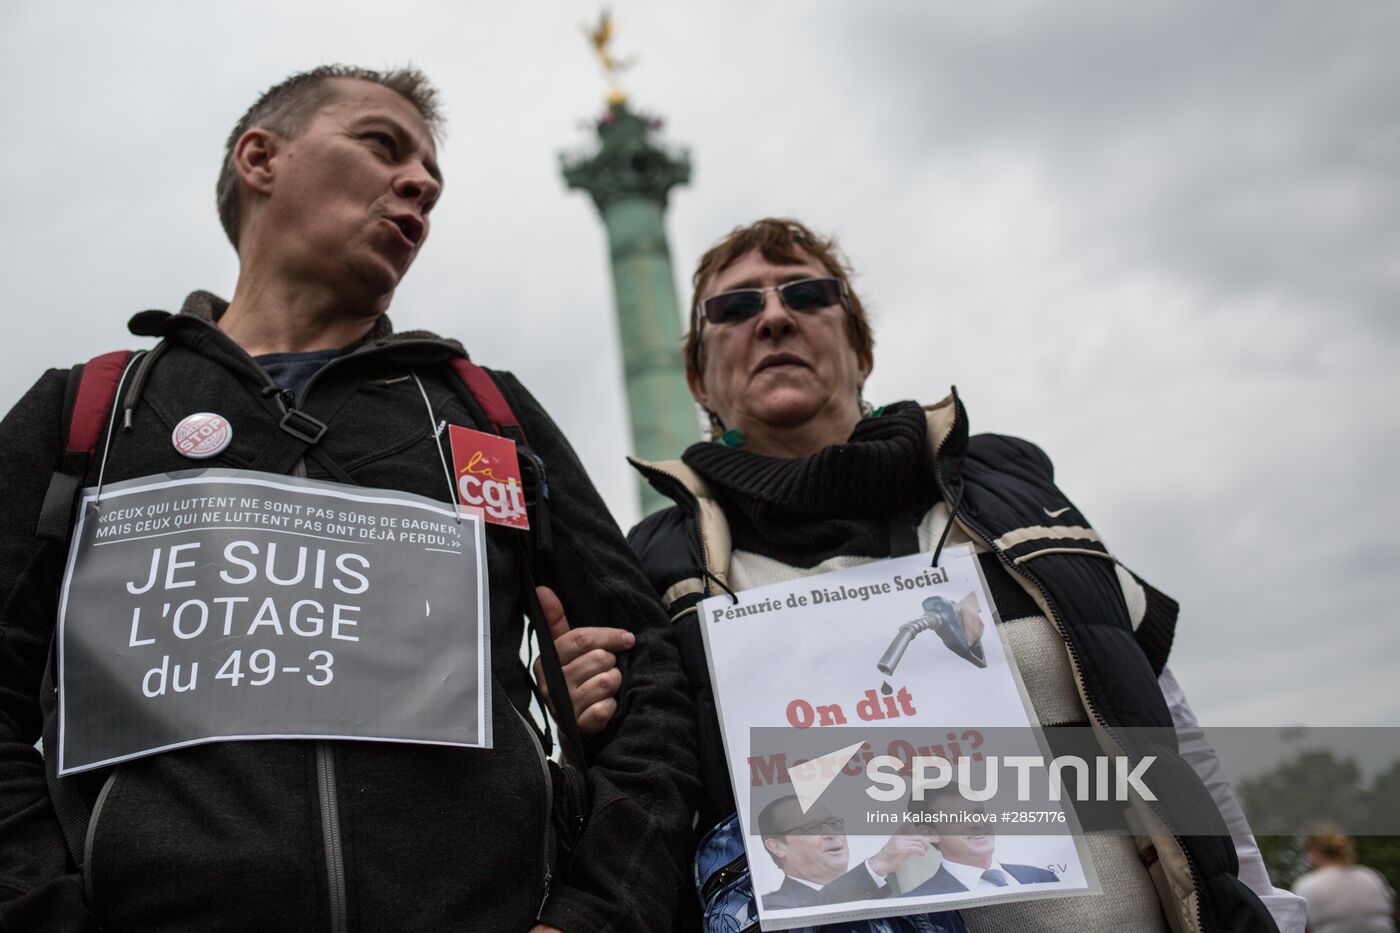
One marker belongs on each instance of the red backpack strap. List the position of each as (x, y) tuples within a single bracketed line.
[(488, 395), (491, 399), (97, 390), (89, 406), (482, 387)]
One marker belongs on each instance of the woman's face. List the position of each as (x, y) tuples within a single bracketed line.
[(788, 379)]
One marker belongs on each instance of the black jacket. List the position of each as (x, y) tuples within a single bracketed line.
[(855, 885), (945, 882), (282, 835)]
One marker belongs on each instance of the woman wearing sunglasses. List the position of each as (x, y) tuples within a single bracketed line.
[(802, 476)]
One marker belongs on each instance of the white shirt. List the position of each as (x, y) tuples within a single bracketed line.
[(1288, 910), (1347, 899), (970, 876)]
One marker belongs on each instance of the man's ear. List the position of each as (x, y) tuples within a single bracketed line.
[(253, 158), (776, 848)]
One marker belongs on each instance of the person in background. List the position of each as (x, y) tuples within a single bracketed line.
[(1342, 896)]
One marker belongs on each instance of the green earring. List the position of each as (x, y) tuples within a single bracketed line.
[(732, 438)]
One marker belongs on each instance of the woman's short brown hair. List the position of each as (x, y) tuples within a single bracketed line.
[(778, 240)]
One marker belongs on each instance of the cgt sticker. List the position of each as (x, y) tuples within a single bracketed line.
[(488, 476)]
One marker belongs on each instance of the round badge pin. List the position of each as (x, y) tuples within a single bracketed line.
[(202, 435)]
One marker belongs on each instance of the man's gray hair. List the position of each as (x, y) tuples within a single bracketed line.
[(287, 109)]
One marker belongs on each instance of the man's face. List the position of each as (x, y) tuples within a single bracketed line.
[(781, 368), (966, 850), (820, 857), (350, 197)]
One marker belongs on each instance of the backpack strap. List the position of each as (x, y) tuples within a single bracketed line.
[(97, 390), (88, 406), (302, 429), (92, 388), (490, 397)]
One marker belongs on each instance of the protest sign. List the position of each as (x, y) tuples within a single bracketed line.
[(218, 605), (865, 713)]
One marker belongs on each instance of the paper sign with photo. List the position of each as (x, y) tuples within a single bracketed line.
[(843, 698)]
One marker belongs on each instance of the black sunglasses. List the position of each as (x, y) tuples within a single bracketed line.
[(807, 295)]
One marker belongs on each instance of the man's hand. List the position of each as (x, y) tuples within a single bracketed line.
[(897, 850), (590, 664), (969, 609)]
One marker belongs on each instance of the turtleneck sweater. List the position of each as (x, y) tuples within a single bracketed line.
[(840, 501)]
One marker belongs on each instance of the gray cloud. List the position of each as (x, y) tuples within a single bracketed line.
[(1251, 146)]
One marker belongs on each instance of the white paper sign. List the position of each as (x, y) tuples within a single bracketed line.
[(845, 668), (221, 605)]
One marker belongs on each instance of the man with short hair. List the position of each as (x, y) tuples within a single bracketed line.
[(812, 851), (327, 189)]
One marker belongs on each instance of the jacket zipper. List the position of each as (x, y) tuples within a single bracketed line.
[(577, 796), (548, 838), (330, 835), (1063, 632), (721, 877), (329, 806), (325, 759)]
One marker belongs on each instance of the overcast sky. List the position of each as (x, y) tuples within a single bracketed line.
[(1161, 239)]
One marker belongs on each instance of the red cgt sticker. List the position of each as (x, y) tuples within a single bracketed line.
[(488, 476)]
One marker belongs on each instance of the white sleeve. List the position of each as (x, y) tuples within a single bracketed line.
[(879, 879), (1289, 911)]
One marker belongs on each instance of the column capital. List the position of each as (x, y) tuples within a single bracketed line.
[(628, 162)]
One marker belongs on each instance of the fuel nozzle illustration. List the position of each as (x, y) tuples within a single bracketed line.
[(943, 617)]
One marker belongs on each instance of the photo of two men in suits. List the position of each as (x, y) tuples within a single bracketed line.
[(814, 854)]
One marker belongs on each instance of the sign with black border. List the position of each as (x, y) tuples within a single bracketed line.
[(227, 605)]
